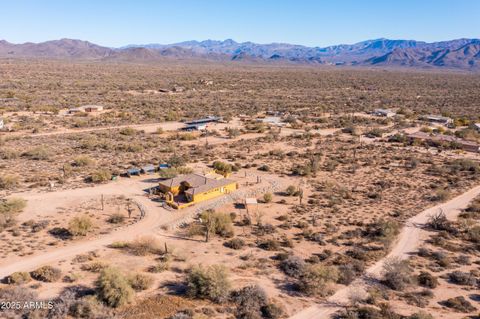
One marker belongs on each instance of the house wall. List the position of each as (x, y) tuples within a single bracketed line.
[(215, 192)]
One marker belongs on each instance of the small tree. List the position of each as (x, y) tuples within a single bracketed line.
[(113, 288)]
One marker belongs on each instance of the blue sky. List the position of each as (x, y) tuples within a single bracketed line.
[(307, 22)]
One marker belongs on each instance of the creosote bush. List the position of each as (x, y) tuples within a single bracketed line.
[(397, 274), (46, 274), (139, 281), (113, 288), (210, 283), (80, 225)]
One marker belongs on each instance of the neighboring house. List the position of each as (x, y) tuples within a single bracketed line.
[(208, 119), (92, 108), (148, 169), (437, 119), (272, 120), (185, 190), (439, 139), (384, 113), (194, 127), (86, 109)]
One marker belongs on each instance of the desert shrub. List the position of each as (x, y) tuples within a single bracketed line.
[(346, 274), (439, 222), (18, 278), (384, 231), (140, 281), (80, 225), (113, 288), (317, 280), (293, 266), (222, 167), (46, 274), (94, 266), (269, 244), (100, 176), (421, 315), (208, 283), (128, 131), (9, 208), (397, 274), (145, 245), (116, 219), (22, 295), (83, 160), (473, 234), (235, 243), (217, 223), (37, 153), (252, 302), (418, 298), (459, 304), (8, 181), (291, 190), (427, 280), (267, 197), (159, 267), (462, 278)]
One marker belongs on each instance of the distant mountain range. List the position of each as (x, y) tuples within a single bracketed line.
[(456, 54)]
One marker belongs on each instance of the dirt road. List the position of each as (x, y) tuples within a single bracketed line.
[(148, 128), (410, 239)]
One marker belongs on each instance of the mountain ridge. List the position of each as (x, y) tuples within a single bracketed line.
[(457, 54)]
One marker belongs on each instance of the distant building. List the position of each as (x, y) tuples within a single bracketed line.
[(92, 108), (272, 120), (86, 109), (208, 119), (185, 190), (383, 112), (439, 139), (437, 119), (148, 169), (195, 127)]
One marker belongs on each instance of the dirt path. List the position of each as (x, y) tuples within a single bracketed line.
[(148, 128), (410, 239)]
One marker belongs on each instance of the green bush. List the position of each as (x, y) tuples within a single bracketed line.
[(113, 288), (46, 274), (80, 225), (208, 283)]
